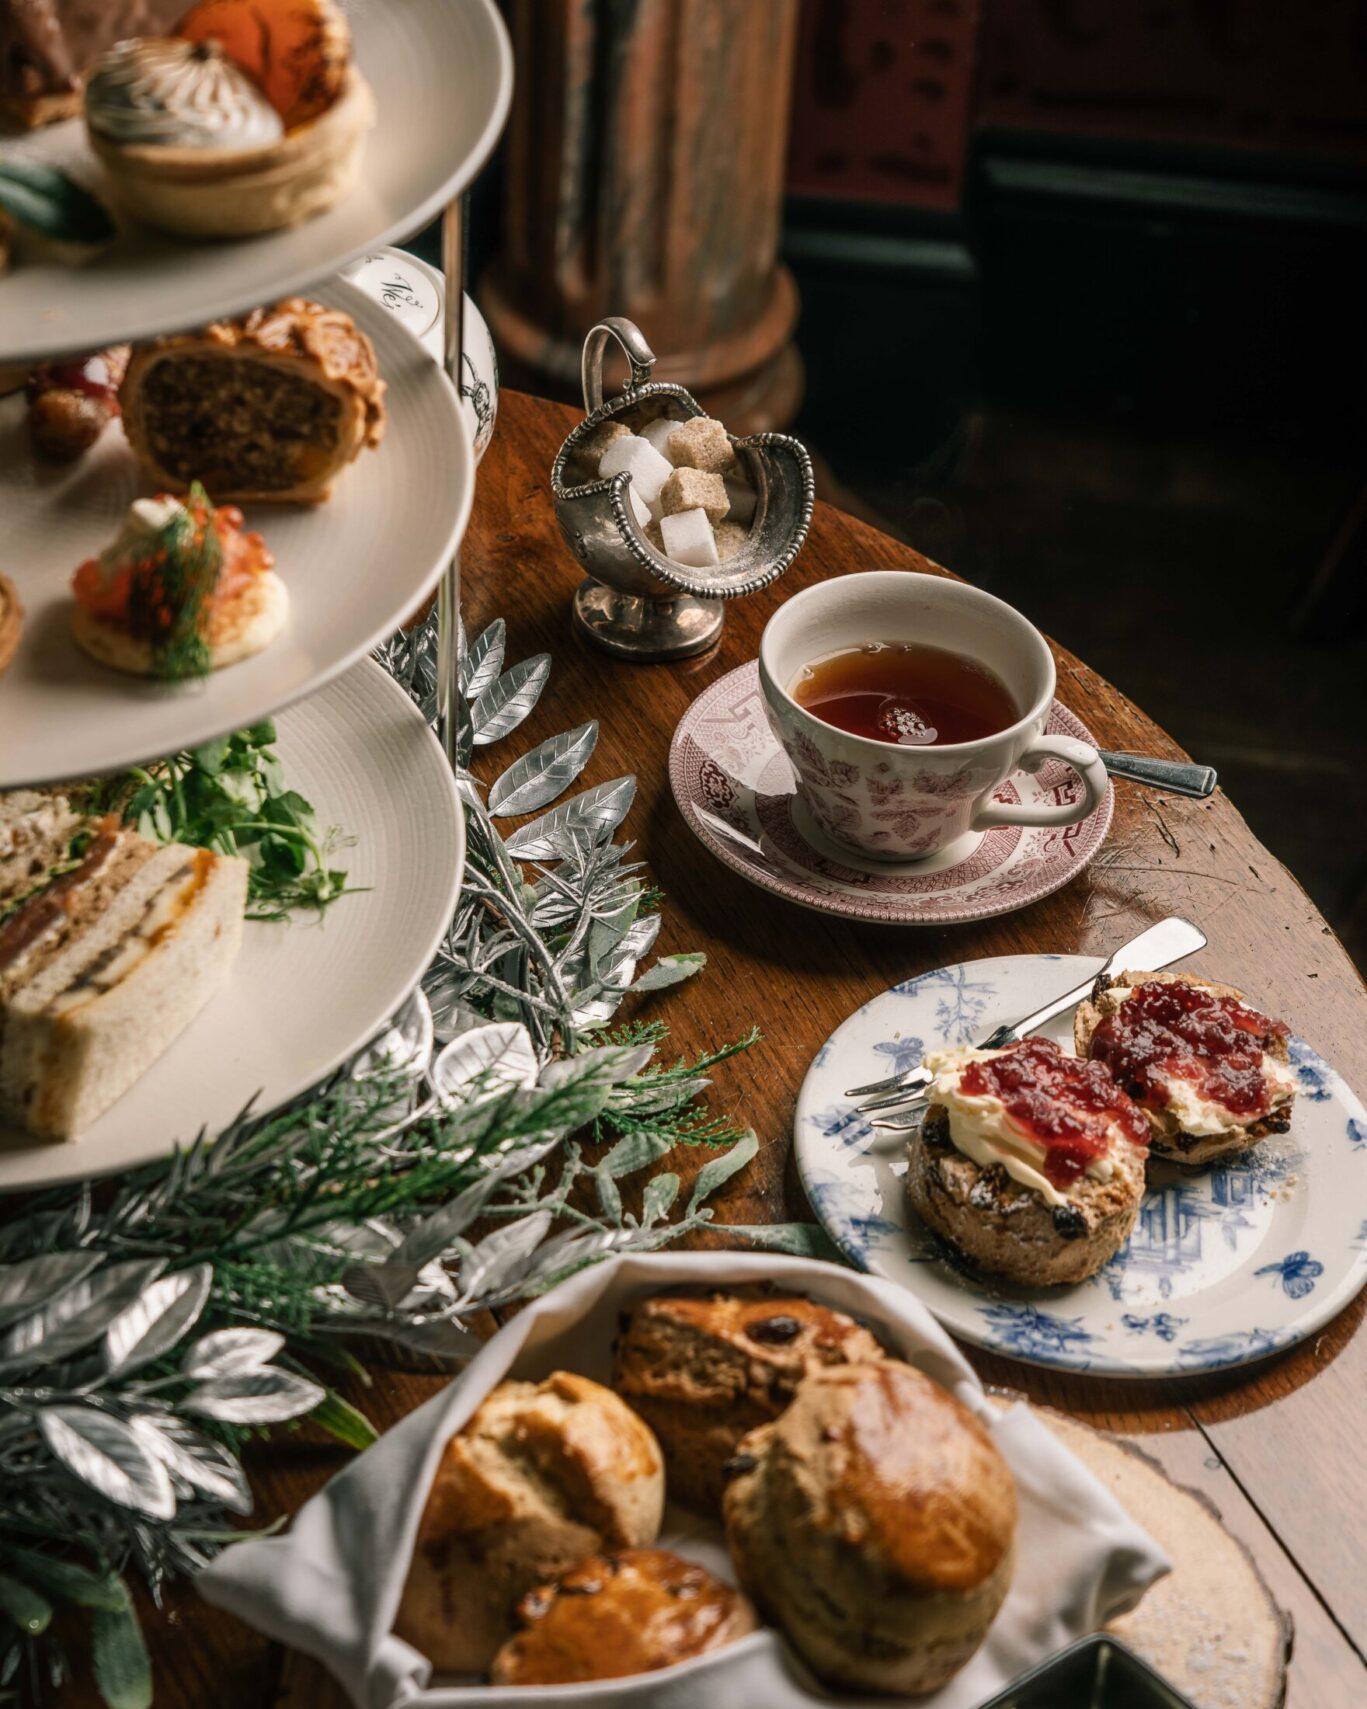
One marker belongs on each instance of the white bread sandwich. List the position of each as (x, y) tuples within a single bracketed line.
[(109, 946), (1210, 1072)]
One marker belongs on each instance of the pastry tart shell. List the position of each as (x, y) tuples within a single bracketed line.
[(242, 192), (241, 626)]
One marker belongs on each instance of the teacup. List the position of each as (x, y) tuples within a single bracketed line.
[(899, 803)]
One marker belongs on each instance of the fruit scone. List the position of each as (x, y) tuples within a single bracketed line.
[(1030, 1162), (1210, 1072)]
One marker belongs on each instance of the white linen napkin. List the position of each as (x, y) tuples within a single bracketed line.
[(331, 1587)]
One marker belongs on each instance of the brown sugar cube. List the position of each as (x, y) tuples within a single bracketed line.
[(652, 533), (730, 538), (701, 444), (695, 489), (602, 436)]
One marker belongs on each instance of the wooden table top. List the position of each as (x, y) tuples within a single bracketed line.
[(1274, 1445)]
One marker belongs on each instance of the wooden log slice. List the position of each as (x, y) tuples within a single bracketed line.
[(1211, 1627)]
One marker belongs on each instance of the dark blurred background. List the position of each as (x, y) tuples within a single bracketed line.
[(1079, 313)]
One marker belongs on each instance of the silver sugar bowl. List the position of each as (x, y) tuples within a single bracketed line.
[(634, 601)]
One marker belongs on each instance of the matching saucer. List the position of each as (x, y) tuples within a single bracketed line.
[(736, 790)]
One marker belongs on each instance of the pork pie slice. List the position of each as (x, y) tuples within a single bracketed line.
[(271, 407)]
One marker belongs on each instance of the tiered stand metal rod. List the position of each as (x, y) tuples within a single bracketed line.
[(448, 592)]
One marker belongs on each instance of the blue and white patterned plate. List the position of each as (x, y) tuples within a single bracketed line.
[(1224, 1266)]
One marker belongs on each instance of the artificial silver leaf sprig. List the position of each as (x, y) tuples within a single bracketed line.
[(146, 1328)]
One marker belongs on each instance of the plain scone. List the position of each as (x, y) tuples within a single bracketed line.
[(875, 1522), (543, 1475), (1166, 1137), (702, 1370), (621, 1614), (1010, 1229)]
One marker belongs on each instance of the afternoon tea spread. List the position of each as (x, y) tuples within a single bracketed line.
[(353, 786)]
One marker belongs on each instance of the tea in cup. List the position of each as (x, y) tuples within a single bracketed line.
[(903, 701)]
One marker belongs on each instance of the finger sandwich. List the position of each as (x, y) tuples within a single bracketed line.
[(109, 945)]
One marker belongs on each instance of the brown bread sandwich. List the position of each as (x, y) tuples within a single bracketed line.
[(109, 946)]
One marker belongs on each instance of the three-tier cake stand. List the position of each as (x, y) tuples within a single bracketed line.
[(441, 72)]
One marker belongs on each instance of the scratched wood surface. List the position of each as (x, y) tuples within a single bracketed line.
[(1275, 1446)]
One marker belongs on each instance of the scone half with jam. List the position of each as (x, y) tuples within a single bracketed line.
[(1029, 1162), (1210, 1072)]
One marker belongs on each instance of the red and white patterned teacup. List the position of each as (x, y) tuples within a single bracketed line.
[(890, 802)]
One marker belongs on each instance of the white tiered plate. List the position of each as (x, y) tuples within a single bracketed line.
[(1225, 1265), (355, 568), (442, 75), (304, 994)]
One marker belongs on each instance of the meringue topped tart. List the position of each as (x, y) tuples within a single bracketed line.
[(181, 591), (178, 94), (1210, 1072), (251, 117)]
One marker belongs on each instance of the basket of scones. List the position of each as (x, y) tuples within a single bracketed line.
[(718, 1480)]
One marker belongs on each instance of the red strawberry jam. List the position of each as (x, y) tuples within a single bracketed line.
[(1188, 1033), (1064, 1103)]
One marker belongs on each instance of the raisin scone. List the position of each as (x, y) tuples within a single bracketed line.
[(615, 1615), (1029, 1162), (271, 407), (543, 1475), (1211, 1073), (875, 1522), (702, 1369)]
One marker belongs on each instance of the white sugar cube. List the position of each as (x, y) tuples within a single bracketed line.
[(636, 457), (741, 496), (639, 508), (689, 539), (658, 431)]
